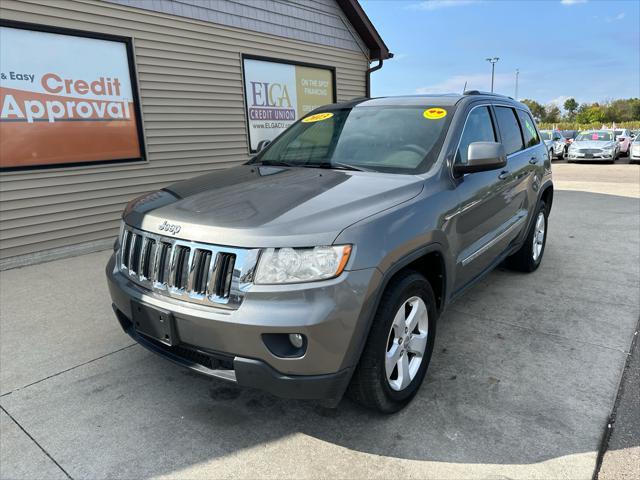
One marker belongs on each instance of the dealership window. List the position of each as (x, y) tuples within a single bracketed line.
[(279, 92), (67, 98)]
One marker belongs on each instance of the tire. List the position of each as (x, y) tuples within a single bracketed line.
[(370, 385), (525, 259)]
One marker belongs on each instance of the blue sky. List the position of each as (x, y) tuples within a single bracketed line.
[(589, 50)]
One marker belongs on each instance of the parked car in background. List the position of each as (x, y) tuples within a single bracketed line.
[(623, 137), (554, 142), (594, 145), (569, 137), (321, 265), (634, 151)]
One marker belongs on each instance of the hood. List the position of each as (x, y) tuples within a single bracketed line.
[(592, 144), (259, 206)]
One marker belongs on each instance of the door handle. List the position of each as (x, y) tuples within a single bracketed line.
[(503, 174), (533, 160)]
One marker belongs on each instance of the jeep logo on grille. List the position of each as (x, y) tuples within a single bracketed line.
[(172, 228)]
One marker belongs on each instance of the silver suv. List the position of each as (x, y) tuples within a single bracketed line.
[(322, 265)]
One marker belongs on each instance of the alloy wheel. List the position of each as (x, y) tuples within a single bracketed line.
[(406, 343), (538, 236)]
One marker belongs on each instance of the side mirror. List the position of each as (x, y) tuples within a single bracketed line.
[(483, 156), (262, 144)]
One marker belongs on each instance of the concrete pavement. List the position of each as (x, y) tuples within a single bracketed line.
[(522, 382)]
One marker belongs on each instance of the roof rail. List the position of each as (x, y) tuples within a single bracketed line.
[(478, 92)]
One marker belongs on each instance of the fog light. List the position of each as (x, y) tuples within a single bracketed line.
[(296, 340)]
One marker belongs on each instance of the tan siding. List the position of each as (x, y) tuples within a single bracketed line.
[(190, 81)]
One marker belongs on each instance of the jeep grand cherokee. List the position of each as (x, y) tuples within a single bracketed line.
[(321, 266)]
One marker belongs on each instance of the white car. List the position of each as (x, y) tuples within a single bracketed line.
[(634, 151), (554, 141), (623, 137), (594, 145)]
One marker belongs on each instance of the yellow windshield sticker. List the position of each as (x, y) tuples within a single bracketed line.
[(434, 113), (318, 117)]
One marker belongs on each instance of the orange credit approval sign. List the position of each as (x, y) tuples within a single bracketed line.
[(60, 108)]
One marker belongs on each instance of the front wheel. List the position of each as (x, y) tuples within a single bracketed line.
[(528, 258), (398, 350)]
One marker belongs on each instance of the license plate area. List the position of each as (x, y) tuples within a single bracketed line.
[(154, 322), (588, 155)]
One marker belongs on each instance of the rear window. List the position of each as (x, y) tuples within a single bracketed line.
[(529, 130), (509, 129)]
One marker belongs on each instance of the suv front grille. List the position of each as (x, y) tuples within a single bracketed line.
[(190, 271)]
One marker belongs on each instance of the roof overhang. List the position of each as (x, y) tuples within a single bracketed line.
[(378, 50)]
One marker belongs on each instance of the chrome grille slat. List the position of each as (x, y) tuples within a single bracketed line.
[(191, 271), (132, 246), (143, 250)]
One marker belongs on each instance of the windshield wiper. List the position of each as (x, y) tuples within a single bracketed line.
[(274, 163), (335, 166)]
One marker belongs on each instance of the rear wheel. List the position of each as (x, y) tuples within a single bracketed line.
[(528, 258), (398, 350)]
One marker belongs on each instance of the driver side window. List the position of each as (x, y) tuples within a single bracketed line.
[(478, 128)]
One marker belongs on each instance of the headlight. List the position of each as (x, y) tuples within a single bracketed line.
[(295, 265)]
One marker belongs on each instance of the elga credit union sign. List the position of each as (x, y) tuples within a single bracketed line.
[(277, 94), (65, 99)]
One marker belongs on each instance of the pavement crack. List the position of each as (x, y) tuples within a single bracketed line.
[(67, 370), (36, 442)]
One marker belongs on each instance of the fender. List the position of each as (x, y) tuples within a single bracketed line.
[(369, 310)]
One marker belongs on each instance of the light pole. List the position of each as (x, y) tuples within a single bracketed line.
[(517, 74), (493, 61)]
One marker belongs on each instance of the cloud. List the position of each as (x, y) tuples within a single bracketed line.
[(400, 56), (559, 101), (572, 2), (504, 83), (438, 4), (617, 18)]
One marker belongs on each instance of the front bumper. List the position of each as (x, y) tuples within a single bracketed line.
[(229, 344), (594, 157)]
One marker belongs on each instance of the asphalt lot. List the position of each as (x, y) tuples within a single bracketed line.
[(522, 383)]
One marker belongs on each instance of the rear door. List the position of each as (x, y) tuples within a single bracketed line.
[(519, 136)]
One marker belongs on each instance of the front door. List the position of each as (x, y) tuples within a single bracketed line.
[(484, 202)]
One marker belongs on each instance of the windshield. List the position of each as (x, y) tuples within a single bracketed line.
[(381, 138), (599, 136), (619, 132), (545, 135), (568, 133)]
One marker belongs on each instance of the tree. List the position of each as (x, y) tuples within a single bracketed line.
[(537, 110), (570, 105), (591, 114), (552, 114)]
